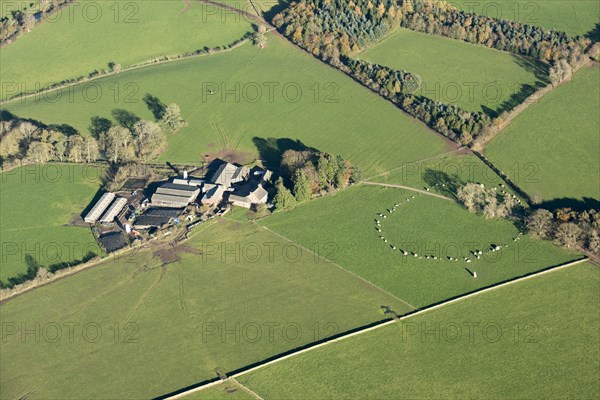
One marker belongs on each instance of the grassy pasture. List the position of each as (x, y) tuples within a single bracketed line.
[(308, 101), (542, 342), (87, 36), (223, 391), (578, 17), (443, 174), (424, 225), (473, 77), (235, 305), (38, 203), (552, 149)]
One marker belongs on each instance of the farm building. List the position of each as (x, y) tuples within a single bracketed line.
[(213, 194), (246, 197), (156, 217), (228, 174), (252, 191), (188, 182), (114, 210), (175, 195), (248, 194), (99, 207)]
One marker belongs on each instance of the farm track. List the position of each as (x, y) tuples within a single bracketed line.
[(359, 331), (247, 389), (439, 196)]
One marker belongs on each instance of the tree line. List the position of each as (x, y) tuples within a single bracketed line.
[(564, 226), (336, 30), (567, 227), (131, 139), (399, 87), (24, 18)]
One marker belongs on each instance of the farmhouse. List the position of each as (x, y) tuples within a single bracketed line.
[(248, 194), (99, 207), (252, 191), (175, 195)]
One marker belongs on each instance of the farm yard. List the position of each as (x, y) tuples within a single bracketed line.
[(235, 124), (578, 17), (48, 226), (472, 77), (423, 225), (532, 149), (277, 300), (132, 32), (537, 332), (254, 198)]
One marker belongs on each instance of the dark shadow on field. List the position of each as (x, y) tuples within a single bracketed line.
[(540, 71), (125, 118), (594, 34), (276, 9), (585, 203), (99, 125), (65, 264), (156, 107), (65, 129), (271, 150), (446, 184), (93, 201)]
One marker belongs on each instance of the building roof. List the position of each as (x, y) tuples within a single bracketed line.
[(162, 212), (213, 195), (146, 221), (188, 182), (171, 199), (114, 210), (251, 192), (99, 207), (228, 173), (175, 194)]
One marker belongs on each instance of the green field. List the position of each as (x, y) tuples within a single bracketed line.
[(443, 174), (38, 204), (308, 101), (473, 77), (236, 304), (86, 37), (424, 225), (535, 339), (576, 17), (223, 391), (552, 148)]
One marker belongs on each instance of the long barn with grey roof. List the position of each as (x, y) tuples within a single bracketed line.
[(99, 207), (175, 195), (114, 210)]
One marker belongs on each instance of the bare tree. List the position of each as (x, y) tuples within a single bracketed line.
[(540, 223), (567, 234), (150, 140)]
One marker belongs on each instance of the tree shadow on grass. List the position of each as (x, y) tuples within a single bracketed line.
[(585, 203), (99, 125), (594, 34), (125, 118), (156, 107), (541, 72), (271, 150), (446, 184)]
